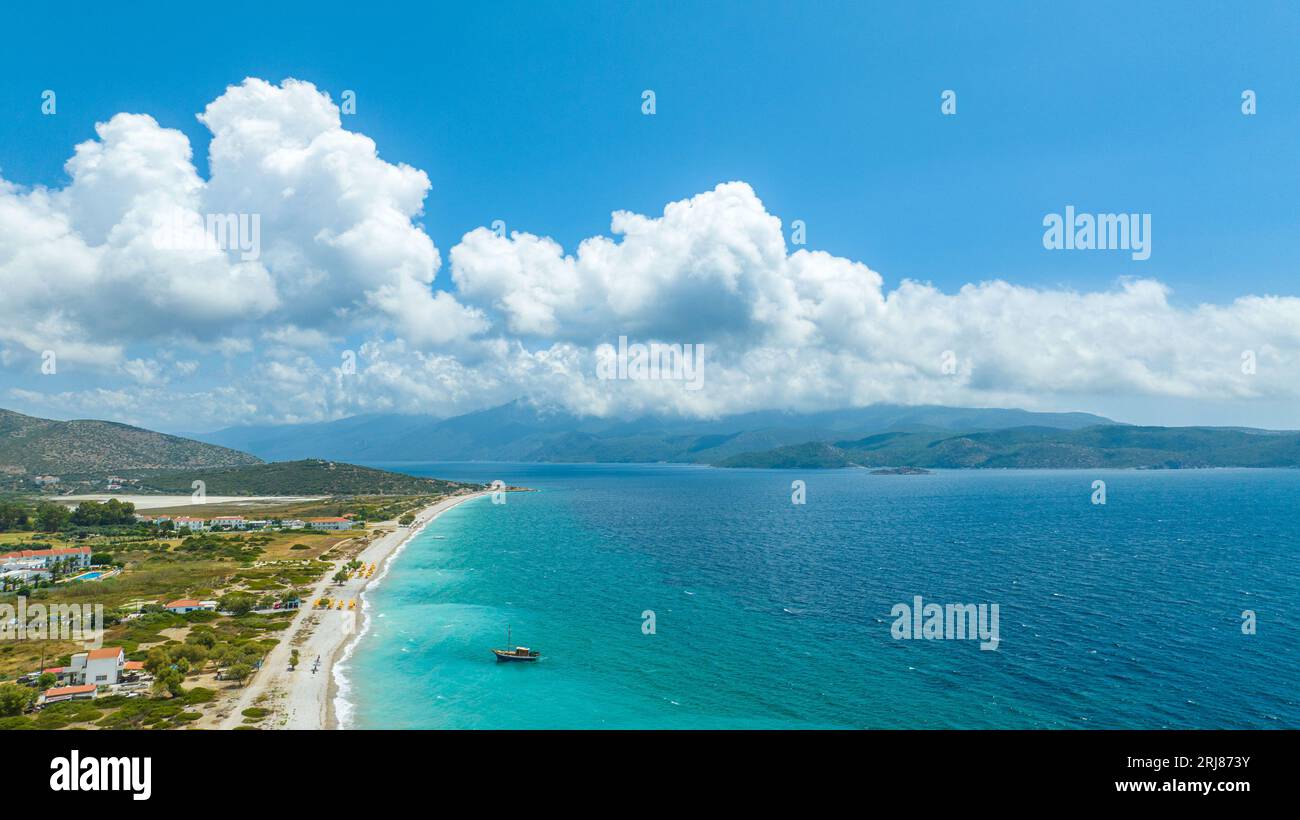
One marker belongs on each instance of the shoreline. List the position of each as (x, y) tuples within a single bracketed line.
[(337, 684), (303, 699)]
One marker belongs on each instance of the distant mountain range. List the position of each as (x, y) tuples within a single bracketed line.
[(32, 446), (96, 456), (519, 431), (312, 458), (1116, 446)]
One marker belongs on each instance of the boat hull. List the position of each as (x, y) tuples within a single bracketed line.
[(510, 657)]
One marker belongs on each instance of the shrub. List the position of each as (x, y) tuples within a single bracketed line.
[(15, 699), (198, 695), (136, 712), (240, 603)]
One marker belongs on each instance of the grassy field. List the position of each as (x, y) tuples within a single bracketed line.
[(8, 539), (265, 566), (370, 507), (158, 572)]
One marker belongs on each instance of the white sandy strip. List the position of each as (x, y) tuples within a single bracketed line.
[(156, 502), (303, 699)]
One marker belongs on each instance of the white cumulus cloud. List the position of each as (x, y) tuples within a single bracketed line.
[(201, 334)]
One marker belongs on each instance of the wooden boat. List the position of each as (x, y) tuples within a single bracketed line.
[(515, 653)]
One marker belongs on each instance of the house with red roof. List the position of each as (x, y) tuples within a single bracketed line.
[(184, 605), (98, 667), (62, 693)]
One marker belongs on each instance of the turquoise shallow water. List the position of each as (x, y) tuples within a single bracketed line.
[(770, 614)]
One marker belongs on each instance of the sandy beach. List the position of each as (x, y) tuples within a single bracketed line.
[(303, 699)]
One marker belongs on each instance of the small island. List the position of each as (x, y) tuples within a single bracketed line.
[(901, 471)]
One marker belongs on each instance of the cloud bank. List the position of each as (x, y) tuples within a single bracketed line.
[(342, 310)]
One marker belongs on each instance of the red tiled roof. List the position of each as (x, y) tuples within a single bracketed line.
[(83, 689), (53, 670), (135, 664), (46, 553), (183, 602), (106, 652)]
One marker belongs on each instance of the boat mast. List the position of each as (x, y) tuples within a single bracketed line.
[(508, 646)]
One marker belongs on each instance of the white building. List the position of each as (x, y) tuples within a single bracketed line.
[(23, 575), (75, 557), (331, 523), (192, 524), (99, 667), (234, 522), (62, 693), (293, 524), (185, 605)]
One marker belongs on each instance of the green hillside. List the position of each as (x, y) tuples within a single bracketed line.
[(30, 447)]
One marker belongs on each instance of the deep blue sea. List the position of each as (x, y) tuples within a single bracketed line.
[(769, 614)]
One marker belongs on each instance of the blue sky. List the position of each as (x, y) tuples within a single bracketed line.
[(530, 113)]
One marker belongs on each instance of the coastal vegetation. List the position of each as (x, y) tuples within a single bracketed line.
[(196, 659), (305, 477)]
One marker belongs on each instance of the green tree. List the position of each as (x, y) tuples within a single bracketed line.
[(46, 681), (156, 661), (168, 682), (238, 603), (238, 672), (205, 639), (51, 517), (191, 653), (108, 513), (13, 516), (15, 699)]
